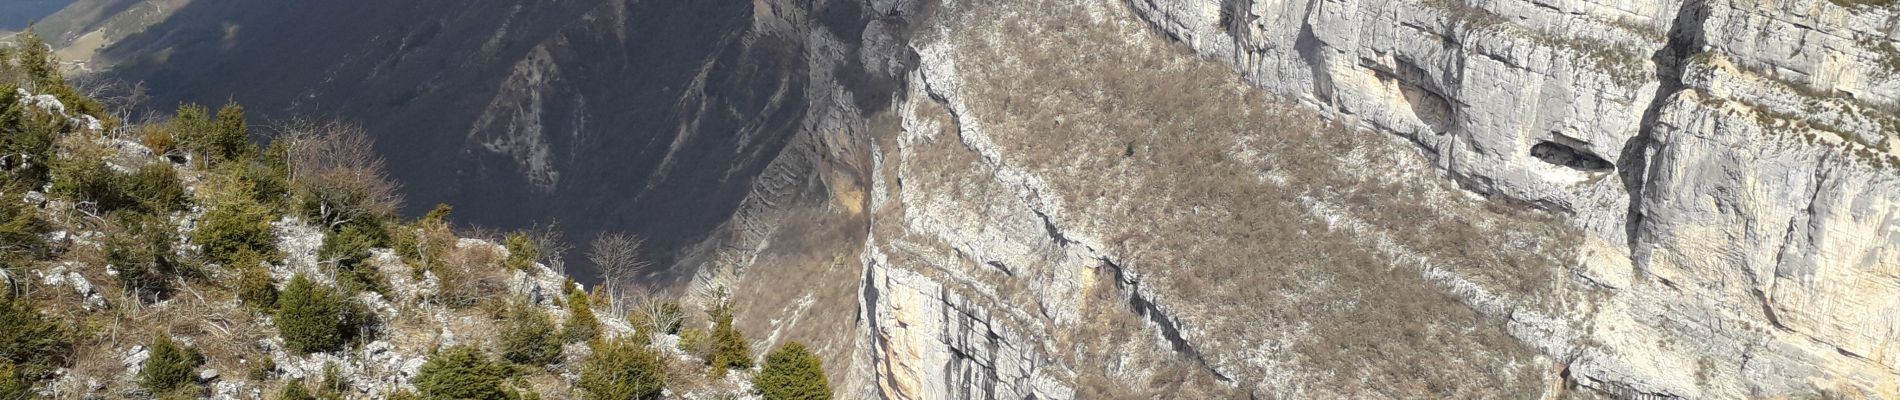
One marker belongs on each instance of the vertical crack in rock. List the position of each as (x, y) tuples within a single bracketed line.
[(1308, 48), (1685, 39), (1165, 323)]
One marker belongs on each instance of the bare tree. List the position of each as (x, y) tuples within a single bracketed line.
[(336, 165), (617, 256), (552, 244)]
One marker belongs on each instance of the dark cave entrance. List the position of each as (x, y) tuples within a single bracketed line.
[(1571, 156)]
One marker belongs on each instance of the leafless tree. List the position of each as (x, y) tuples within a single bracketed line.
[(337, 166), (552, 244), (617, 257)]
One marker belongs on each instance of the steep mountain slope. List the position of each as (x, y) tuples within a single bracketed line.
[(1169, 198), (652, 117)]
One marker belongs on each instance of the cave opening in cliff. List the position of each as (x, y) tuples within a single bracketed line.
[(1570, 156)]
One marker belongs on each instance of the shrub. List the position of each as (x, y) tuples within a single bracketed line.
[(255, 286), (349, 251), (338, 176), (170, 366), (191, 129), (269, 186), (139, 247), (36, 59), (212, 141), (693, 341), (26, 140), (14, 385), (729, 348), (581, 324), (792, 373), (620, 369), (158, 139), (153, 188), (34, 344), (84, 176), (463, 372), (229, 134), (530, 337), (295, 391), (314, 318), (235, 223), (521, 251), (20, 229), (652, 315)]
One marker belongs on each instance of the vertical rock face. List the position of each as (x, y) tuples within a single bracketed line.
[(1049, 199), (1753, 192)]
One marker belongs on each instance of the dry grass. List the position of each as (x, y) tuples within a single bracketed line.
[(470, 276)]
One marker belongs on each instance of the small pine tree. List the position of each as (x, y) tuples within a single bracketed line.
[(620, 369), (235, 223), (521, 251), (28, 145), (139, 248), (295, 391), (463, 372), (792, 373), (348, 249), (170, 366), (255, 286), (729, 347), (530, 338), (314, 318), (34, 344), (20, 228), (13, 384), (581, 324), (191, 128), (229, 134)]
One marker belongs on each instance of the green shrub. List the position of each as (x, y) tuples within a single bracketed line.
[(333, 382), (349, 250), (213, 141), (295, 391), (229, 138), (792, 373), (693, 341), (729, 347), (82, 175), (14, 385), (269, 186), (26, 141), (521, 251), (139, 247), (254, 285), (85, 177), (313, 318), (43, 71), (191, 128), (234, 224), (464, 372), (620, 369), (20, 229), (170, 366), (581, 324), (34, 344), (403, 394), (530, 337), (154, 188)]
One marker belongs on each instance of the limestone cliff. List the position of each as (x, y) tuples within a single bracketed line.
[(1724, 170)]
